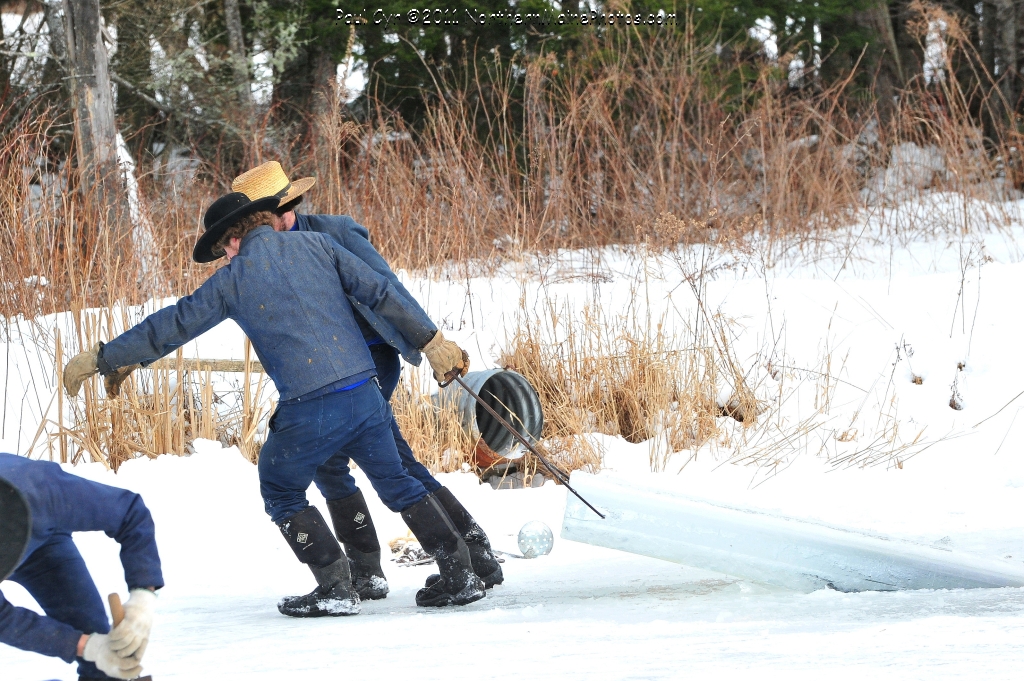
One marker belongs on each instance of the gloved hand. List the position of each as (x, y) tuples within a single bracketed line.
[(81, 367), (98, 650), (445, 356), (131, 636), (112, 382)]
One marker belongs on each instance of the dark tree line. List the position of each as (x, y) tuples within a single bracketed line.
[(200, 72)]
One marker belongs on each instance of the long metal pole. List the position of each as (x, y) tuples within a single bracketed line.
[(554, 470)]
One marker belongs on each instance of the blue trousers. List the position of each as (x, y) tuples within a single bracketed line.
[(58, 579), (312, 441), (389, 370)]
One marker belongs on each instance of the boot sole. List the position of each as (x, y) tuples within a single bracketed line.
[(437, 599), (372, 596), (318, 613), (339, 610), (467, 596)]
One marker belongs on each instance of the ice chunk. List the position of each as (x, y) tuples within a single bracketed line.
[(763, 547)]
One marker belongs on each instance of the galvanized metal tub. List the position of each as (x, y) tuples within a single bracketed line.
[(509, 394)]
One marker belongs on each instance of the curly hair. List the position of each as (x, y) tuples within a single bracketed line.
[(241, 228)]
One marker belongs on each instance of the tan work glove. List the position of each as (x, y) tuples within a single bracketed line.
[(445, 357), (112, 382), (81, 367)]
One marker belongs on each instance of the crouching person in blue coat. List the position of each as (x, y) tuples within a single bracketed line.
[(292, 295), (40, 507), (350, 515)]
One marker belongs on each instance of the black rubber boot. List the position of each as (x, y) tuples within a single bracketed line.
[(485, 565), (313, 544), (457, 584), (354, 527)]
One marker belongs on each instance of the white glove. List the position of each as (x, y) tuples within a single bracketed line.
[(97, 649), (131, 636)]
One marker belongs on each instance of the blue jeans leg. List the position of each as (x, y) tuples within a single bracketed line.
[(415, 468), (309, 441), (56, 576), (375, 451), (389, 370)]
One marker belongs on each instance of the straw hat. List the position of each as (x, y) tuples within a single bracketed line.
[(15, 528), (222, 213), (269, 180)]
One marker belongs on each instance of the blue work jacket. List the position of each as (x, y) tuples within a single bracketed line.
[(61, 503), (293, 296), (356, 239)]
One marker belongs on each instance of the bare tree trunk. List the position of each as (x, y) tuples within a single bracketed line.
[(5, 67), (1007, 50), (989, 34), (135, 23), (325, 70), (1019, 22), (56, 67), (994, 117), (95, 130), (304, 87), (889, 76), (55, 24), (236, 43), (910, 51)]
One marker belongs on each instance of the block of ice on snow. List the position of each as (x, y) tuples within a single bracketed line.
[(765, 547)]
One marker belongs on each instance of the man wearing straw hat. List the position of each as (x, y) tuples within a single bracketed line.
[(41, 505), (350, 514), (293, 296)]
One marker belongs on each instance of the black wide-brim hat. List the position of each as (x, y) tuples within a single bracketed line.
[(222, 213), (15, 528)]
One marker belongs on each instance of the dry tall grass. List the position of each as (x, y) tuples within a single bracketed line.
[(636, 373), (601, 147), (160, 410)]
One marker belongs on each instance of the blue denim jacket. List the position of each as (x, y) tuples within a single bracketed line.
[(356, 239), (61, 503), (290, 294)]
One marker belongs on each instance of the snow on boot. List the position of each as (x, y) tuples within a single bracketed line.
[(334, 595), (309, 537), (354, 527), (485, 564), (367, 577), (457, 584)]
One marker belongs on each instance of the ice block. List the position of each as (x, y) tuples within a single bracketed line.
[(764, 547)]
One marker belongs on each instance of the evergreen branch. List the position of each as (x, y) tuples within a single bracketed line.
[(171, 111)]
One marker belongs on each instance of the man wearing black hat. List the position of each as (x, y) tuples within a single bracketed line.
[(41, 505), (350, 514), (293, 296)]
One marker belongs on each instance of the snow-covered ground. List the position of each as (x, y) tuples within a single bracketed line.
[(867, 314), (581, 612)]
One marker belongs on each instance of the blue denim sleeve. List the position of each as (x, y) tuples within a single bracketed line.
[(356, 238), (168, 329), (26, 630), (80, 505), (374, 290)]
